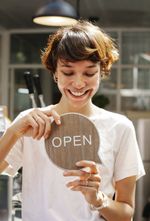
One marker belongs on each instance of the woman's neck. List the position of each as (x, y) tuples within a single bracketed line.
[(87, 110)]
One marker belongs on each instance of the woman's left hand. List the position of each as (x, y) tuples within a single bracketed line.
[(88, 182)]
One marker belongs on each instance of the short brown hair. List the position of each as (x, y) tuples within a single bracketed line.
[(82, 41)]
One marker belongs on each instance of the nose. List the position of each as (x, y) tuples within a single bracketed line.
[(79, 82)]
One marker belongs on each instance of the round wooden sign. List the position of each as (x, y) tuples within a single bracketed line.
[(75, 139)]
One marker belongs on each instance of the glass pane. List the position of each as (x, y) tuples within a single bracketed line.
[(137, 103), (112, 102), (139, 79), (106, 96), (22, 100), (136, 48), (144, 79), (126, 79), (21, 97), (111, 81), (26, 48), (114, 35), (128, 103)]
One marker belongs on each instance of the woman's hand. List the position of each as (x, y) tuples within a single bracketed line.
[(88, 182), (36, 123)]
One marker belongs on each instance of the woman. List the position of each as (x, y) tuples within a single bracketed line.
[(78, 57)]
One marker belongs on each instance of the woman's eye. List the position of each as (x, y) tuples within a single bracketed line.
[(67, 73), (90, 74)]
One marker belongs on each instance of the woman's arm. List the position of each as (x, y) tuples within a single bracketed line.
[(6, 142), (3, 166), (35, 124), (122, 208)]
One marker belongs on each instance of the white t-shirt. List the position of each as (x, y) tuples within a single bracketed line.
[(44, 191)]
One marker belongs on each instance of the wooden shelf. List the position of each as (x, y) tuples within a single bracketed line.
[(137, 114)]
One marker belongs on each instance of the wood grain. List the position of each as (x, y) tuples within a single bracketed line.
[(75, 139)]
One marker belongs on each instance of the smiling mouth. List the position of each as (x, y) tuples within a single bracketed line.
[(78, 94)]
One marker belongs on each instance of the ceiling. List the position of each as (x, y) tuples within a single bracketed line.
[(17, 14)]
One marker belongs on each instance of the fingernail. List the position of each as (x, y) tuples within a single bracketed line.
[(65, 173), (58, 122), (78, 163)]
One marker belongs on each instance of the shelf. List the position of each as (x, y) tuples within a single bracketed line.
[(137, 114), (134, 92)]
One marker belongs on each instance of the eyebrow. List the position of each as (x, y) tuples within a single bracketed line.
[(67, 65)]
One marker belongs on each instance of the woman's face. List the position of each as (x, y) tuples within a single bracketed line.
[(78, 81)]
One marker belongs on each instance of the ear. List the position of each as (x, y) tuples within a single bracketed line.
[(55, 77), (55, 73)]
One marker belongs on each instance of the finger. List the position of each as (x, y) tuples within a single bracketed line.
[(34, 123), (94, 184), (94, 177), (41, 126), (31, 124), (85, 183), (51, 112), (91, 164), (47, 129), (84, 189), (79, 173), (45, 126), (56, 117), (43, 123)]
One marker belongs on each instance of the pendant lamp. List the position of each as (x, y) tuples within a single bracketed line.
[(56, 13)]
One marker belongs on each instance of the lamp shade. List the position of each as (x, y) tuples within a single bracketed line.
[(56, 13)]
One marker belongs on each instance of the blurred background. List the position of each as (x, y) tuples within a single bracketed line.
[(126, 91)]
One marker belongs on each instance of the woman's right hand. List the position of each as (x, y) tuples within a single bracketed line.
[(36, 123)]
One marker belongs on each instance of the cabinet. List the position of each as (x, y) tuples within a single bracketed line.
[(127, 88)]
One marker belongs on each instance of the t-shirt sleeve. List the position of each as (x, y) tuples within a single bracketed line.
[(128, 159)]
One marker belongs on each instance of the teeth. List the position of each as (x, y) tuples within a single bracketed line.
[(77, 93)]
